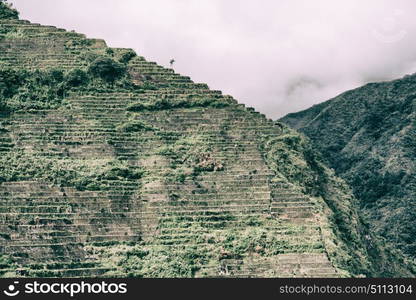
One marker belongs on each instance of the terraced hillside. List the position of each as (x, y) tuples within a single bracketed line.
[(152, 175)]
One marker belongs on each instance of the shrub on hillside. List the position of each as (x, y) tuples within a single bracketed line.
[(31, 89), (77, 78), (10, 80), (109, 51), (22, 89), (126, 56), (135, 126), (107, 69), (7, 12)]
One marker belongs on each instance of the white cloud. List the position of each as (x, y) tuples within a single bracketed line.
[(278, 56)]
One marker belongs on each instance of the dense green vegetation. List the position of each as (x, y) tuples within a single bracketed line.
[(80, 174), (7, 12), (126, 56), (368, 136), (172, 102), (23, 89), (361, 251), (107, 69)]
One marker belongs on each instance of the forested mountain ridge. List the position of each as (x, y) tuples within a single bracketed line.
[(368, 136)]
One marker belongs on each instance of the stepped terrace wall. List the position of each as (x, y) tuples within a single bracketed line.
[(169, 179)]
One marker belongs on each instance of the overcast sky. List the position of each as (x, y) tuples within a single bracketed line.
[(278, 56)]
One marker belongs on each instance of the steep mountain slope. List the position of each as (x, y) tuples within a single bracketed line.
[(368, 135), (111, 165)]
